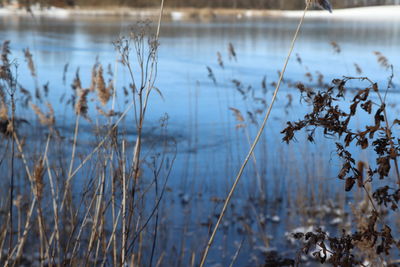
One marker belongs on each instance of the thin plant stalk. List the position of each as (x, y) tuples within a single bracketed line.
[(99, 145), (98, 211), (71, 164), (159, 262), (113, 208), (3, 235), (44, 243), (114, 219), (111, 240), (124, 199), (12, 171), (235, 256), (54, 197), (83, 224), (21, 242), (157, 214), (143, 104), (122, 115), (258, 176), (260, 131)]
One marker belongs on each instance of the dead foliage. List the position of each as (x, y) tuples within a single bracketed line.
[(335, 116)]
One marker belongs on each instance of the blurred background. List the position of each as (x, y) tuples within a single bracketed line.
[(268, 4)]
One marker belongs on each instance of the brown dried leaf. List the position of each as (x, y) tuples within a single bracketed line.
[(238, 115), (349, 184)]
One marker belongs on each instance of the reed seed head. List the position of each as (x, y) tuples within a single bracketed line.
[(103, 91), (38, 178), (81, 106), (44, 119)]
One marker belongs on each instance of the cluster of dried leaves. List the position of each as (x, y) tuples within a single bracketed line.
[(337, 119), (339, 251)]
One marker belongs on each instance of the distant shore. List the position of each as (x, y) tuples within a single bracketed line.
[(205, 14)]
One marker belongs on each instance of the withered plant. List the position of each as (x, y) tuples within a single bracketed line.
[(335, 117), (93, 200)]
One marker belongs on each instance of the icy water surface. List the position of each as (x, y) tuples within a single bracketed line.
[(187, 48), (209, 146)]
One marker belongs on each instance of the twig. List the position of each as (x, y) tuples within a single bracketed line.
[(156, 224), (138, 233), (55, 207), (12, 169), (387, 130), (124, 199), (236, 253)]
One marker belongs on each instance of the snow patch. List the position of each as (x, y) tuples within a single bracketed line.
[(364, 13)]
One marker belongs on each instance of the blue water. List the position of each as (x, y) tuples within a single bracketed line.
[(210, 149)]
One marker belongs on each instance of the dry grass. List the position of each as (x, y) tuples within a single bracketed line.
[(65, 235), (103, 91)]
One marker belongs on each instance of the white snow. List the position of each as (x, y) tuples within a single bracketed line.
[(360, 13), (275, 219), (177, 15), (336, 221), (36, 10), (289, 235)]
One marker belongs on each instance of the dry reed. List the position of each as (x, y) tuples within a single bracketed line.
[(239, 175), (103, 91)]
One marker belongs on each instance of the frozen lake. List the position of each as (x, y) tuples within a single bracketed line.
[(210, 144)]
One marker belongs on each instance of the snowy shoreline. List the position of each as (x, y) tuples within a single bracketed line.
[(360, 13), (207, 14)]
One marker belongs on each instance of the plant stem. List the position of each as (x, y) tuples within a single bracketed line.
[(260, 131), (12, 171)]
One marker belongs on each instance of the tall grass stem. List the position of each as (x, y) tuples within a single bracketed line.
[(257, 138)]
